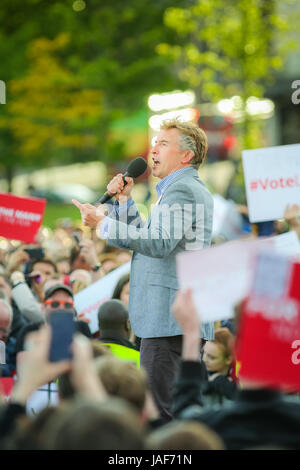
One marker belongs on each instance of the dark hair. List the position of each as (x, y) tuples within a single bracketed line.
[(75, 252), (185, 435), (112, 315), (43, 260), (91, 425), (119, 286)]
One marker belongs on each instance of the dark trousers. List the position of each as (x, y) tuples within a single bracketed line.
[(160, 357)]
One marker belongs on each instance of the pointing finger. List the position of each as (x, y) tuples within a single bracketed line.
[(77, 204)]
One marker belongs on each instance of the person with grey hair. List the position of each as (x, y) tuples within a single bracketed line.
[(6, 317), (181, 220)]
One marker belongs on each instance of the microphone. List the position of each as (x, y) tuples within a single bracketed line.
[(135, 168)]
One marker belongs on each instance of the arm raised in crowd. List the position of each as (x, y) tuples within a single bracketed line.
[(187, 387), (186, 315), (88, 251), (24, 298), (16, 260), (34, 370), (291, 215)]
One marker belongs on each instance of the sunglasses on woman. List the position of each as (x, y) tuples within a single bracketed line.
[(67, 304)]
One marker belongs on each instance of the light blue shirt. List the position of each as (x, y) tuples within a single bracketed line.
[(167, 180)]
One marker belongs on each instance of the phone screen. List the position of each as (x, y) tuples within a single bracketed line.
[(35, 253), (63, 326), (76, 237)]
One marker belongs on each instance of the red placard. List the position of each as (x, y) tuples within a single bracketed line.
[(6, 387), (268, 343), (20, 217)]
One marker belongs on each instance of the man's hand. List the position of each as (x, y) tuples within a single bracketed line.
[(117, 188), (91, 215)]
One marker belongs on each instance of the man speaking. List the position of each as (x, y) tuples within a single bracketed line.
[(180, 220)]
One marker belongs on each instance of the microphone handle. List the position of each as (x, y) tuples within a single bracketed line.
[(106, 196)]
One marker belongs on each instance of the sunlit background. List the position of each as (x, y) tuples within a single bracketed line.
[(88, 83)]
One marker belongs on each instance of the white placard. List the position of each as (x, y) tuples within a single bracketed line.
[(45, 396), (287, 244), (226, 219), (222, 275), (88, 300), (272, 275), (272, 180)]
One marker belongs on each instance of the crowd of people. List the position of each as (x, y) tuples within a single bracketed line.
[(104, 398), (154, 376)]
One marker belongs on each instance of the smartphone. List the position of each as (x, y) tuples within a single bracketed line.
[(76, 237), (62, 331), (2, 352), (35, 253)]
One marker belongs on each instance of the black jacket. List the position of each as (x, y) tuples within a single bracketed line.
[(260, 417)]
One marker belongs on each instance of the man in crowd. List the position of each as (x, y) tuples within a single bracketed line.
[(58, 296), (6, 315), (114, 330), (258, 417), (186, 224)]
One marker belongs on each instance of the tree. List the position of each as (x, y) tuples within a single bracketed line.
[(49, 109), (227, 49), (71, 74)]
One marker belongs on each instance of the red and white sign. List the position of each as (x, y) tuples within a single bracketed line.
[(220, 276), (88, 301), (268, 345), (226, 219), (20, 217), (6, 387), (272, 179)]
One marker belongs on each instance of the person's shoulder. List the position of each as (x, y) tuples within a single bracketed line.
[(28, 328), (192, 187)]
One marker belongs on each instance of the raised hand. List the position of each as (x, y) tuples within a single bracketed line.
[(16, 260), (185, 313), (291, 213)]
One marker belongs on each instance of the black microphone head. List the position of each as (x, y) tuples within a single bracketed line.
[(136, 168)]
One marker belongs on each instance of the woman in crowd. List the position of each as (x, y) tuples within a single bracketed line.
[(220, 385)]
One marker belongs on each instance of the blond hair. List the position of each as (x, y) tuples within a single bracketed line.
[(122, 379), (192, 138)]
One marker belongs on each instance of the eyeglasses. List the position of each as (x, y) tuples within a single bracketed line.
[(67, 304)]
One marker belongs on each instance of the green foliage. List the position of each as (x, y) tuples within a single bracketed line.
[(53, 212), (230, 48), (71, 74), (227, 48)]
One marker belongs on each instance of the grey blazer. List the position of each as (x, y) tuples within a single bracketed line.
[(180, 221)]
